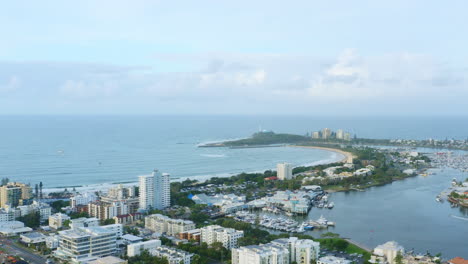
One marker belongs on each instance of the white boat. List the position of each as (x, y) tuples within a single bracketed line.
[(331, 205), (322, 220)]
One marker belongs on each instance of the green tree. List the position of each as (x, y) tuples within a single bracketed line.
[(108, 222), (32, 220), (399, 258)]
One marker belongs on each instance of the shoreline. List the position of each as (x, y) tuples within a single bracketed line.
[(200, 178), (348, 155)]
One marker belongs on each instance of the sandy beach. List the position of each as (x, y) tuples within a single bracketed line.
[(348, 157)]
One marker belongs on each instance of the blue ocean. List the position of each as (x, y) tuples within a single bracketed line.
[(68, 151)]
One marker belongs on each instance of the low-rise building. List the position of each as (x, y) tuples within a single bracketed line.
[(116, 228), (7, 214), (84, 244), (215, 233), (389, 251), (108, 260), (83, 199), (33, 238), (458, 260), (84, 222), (127, 218), (227, 203), (52, 241), (135, 249), (300, 250), (131, 239), (163, 224), (56, 220), (254, 254), (173, 255), (43, 209), (333, 260), (194, 234), (13, 228), (105, 210)]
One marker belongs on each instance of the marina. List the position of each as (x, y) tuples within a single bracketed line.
[(282, 223)]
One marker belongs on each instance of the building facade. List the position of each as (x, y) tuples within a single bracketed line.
[(302, 251), (135, 249), (155, 191), (215, 233), (263, 254), (80, 244), (163, 224), (284, 171), (56, 220), (173, 255), (14, 194)]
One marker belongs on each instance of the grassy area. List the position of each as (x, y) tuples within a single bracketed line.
[(341, 244)]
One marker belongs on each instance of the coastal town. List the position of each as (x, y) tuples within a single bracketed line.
[(250, 218)]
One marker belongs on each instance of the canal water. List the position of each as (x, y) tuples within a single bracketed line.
[(404, 211)]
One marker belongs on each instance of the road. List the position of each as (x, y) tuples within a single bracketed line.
[(13, 249)]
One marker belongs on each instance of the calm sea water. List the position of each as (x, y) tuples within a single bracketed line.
[(82, 150)]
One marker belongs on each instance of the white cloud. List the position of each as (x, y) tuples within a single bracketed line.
[(11, 84), (251, 83), (87, 90)]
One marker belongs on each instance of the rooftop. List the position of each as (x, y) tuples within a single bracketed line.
[(458, 260)]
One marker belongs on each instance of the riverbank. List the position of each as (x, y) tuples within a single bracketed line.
[(348, 156)]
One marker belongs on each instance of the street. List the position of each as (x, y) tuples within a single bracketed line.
[(13, 249)]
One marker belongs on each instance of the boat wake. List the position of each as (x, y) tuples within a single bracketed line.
[(459, 217)]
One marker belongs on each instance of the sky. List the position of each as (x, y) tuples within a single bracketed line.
[(234, 57)]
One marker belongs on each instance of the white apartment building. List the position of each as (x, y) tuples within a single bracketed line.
[(302, 251), (7, 214), (103, 210), (82, 199), (135, 249), (333, 260), (56, 220), (52, 241), (163, 224), (173, 255), (84, 222), (215, 233), (316, 135), (116, 228), (121, 192), (284, 171), (155, 191), (82, 244), (262, 254), (340, 134), (44, 210), (389, 250), (326, 133)]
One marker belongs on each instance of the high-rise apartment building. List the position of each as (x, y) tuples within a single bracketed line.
[(284, 171), (155, 191), (326, 133), (340, 134), (316, 135), (14, 194)]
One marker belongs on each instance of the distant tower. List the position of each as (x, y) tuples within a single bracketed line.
[(36, 187), (40, 190), (284, 171)]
